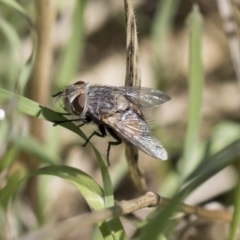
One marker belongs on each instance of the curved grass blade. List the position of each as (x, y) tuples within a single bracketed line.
[(34, 109), (15, 56), (13, 184), (26, 69), (8, 158), (213, 165), (91, 191), (210, 167), (32, 146)]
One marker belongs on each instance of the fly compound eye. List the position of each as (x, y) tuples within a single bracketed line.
[(78, 104)]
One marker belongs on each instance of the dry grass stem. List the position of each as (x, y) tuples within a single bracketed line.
[(150, 199), (132, 79), (230, 28), (40, 83)]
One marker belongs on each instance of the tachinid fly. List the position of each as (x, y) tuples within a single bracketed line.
[(115, 110)]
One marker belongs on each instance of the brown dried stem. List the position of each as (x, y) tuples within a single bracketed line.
[(40, 82), (230, 28), (132, 79), (150, 199)]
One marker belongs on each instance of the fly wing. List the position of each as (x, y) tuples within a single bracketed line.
[(132, 128), (144, 97)]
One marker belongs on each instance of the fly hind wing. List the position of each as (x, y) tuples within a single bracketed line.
[(132, 128), (144, 97)]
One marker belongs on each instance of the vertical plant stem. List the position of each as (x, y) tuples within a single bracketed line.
[(133, 78), (230, 28), (41, 78)]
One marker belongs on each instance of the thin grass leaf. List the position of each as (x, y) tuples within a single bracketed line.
[(158, 225), (209, 168), (90, 190), (161, 26), (13, 184), (72, 53), (213, 165), (32, 146), (29, 107), (15, 56), (114, 224), (195, 93), (27, 68), (8, 158), (4, 129), (34, 109), (234, 226)]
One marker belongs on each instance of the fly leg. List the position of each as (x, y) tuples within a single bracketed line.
[(101, 134), (116, 137), (85, 121), (68, 120)]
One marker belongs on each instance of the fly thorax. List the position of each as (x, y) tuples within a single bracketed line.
[(120, 102)]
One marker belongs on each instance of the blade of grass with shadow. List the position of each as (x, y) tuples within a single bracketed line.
[(34, 109)]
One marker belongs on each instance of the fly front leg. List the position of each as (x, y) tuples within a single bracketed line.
[(68, 120), (119, 141), (102, 134), (85, 121)]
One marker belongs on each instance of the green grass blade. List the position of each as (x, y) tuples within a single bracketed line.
[(32, 146), (114, 224), (31, 108), (160, 222), (213, 165), (233, 231), (161, 24), (90, 190), (13, 184), (71, 55), (15, 56), (34, 109), (160, 29), (27, 68), (195, 93), (4, 130), (210, 167), (8, 158)]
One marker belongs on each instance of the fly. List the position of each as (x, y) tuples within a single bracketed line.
[(116, 110)]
